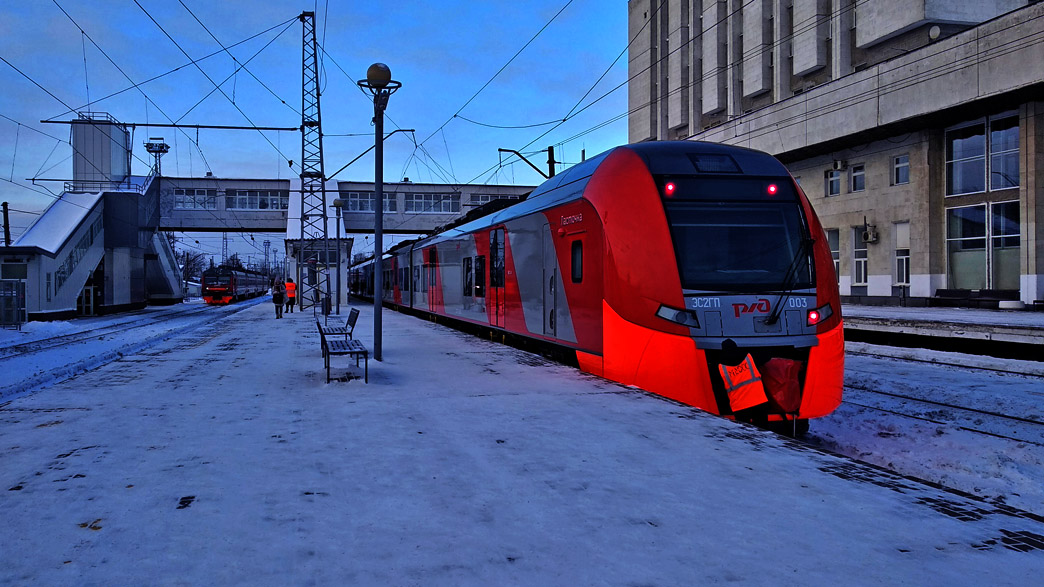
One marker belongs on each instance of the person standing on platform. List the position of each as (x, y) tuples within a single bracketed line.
[(291, 294), (277, 299)]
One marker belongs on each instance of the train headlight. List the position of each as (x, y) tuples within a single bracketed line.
[(683, 317), (817, 315)]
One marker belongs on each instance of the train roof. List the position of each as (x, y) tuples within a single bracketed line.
[(661, 157)]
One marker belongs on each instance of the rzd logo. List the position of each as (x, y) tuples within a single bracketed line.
[(761, 306)]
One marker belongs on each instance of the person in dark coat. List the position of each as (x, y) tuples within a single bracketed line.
[(277, 298)]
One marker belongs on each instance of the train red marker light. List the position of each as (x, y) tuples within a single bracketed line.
[(669, 189), (772, 189), (817, 315)]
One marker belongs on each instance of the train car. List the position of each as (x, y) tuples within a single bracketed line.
[(656, 264), (224, 285)]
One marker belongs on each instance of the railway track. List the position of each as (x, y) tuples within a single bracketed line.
[(110, 328), (123, 326), (34, 364), (928, 405)]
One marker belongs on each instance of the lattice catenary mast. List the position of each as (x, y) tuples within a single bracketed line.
[(314, 247)]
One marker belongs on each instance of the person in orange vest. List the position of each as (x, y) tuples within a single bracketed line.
[(741, 378), (291, 294)]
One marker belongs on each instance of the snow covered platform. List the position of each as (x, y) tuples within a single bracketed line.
[(1005, 326), (221, 456)]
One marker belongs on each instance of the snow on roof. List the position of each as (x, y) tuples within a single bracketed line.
[(58, 221)]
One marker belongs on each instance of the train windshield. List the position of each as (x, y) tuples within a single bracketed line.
[(740, 246)]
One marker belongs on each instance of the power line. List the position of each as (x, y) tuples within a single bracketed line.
[(244, 66), (499, 71), (185, 53)]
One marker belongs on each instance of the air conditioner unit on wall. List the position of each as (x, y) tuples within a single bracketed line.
[(839, 164), (870, 235)]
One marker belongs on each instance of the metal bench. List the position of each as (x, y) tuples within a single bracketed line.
[(352, 348), (347, 329)]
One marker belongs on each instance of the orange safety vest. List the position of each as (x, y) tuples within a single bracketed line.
[(743, 383), (291, 290)]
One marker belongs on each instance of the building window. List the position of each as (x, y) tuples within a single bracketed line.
[(834, 242), (480, 199), (857, 175), (432, 203), (1004, 153), (1004, 242), (966, 161), (902, 253), (257, 199), (364, 201), (14, 271), (833, 182), (900, 169), (195, 199), (966, 247), (859, 258)]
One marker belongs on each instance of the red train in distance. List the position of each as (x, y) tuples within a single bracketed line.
[(224, 285), (645, 261)]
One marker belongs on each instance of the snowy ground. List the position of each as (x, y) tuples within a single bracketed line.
[(219, 455)]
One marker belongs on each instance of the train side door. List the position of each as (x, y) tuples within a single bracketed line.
[(496, 277), (550, 283)]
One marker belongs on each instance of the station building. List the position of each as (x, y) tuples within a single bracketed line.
[(96, 249), (916, 128)]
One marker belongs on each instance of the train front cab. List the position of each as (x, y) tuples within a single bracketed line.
[(674, 286)]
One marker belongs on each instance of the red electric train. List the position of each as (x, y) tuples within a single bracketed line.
[(653, 263), (224, 285)]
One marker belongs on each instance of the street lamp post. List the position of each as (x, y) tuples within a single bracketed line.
[(338, 204), (379, 83)]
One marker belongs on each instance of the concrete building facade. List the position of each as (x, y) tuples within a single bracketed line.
[(916, 128)]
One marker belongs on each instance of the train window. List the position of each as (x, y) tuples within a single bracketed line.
[(578, 261), (468, 281), (416, 276), (739, 246), (480, 276)]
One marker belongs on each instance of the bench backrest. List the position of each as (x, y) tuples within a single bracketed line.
[(353, 316)]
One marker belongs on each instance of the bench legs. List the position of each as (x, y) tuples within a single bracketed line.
[(363, 355)]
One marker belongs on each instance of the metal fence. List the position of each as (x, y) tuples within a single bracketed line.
[(12, 303)]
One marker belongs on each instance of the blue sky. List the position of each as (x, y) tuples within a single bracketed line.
[(443, 52)]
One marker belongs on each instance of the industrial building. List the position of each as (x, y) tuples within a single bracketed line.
[(916, 128)]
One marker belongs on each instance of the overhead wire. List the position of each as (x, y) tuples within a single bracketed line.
[(244, 65), (499, 71), (234, 105)]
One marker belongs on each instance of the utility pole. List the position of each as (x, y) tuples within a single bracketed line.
[(268, 245), (7, 227)]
